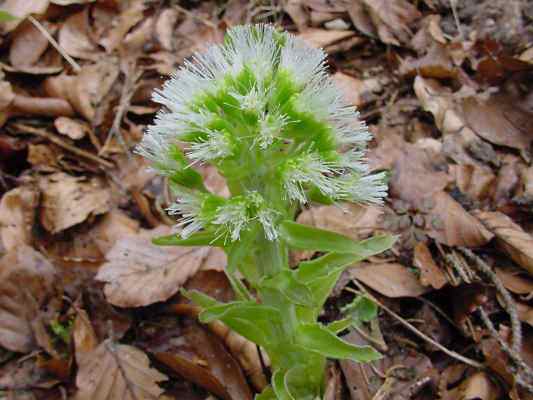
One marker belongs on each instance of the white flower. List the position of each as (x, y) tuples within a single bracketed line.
[(267, 218), (216, 145), (306, 64), (270, 125), (232, 217), (189, 206), (368, 189), (310, 169)]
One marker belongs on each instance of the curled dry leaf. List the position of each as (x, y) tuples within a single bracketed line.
[(430, 273), (499, 120), (21, 9), (453, 226), (85, 340), (28, 44), (356, 91), (200, 357), (68, 200), (27, 280), (511, 238), (475, 181), (478, 386), (324, 38), (117, 372), (164, 28), (74, 129), (138, 273), (389, 19), (17, 214), (74, 37), (132, 13), (514, 282), (41, 106), (389, 279)]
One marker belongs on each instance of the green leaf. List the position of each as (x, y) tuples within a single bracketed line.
[(340, 325), (331, 262), (199, 298), (361, 309), (323, 286), (259, 333), (278, 383), (266, 394), (318, 338), (309, 238), (197, 239), (7, 17), (247, 310), (287, 284)]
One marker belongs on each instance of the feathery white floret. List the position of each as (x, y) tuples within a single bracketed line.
[(189, 207), (306, 64), (310, 169), (267, 218), (216, 145), (368, 189), (270, 126), (155, 148), (232, 217)]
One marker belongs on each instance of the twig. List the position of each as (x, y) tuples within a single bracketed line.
[(451, 353), (509, 303), (514, 356), (75, 66), (456, 18), (56, 140)]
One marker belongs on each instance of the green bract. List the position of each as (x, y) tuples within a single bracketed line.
[(262, 109)]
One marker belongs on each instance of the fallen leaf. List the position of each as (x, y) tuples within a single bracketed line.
[(323, 38), (356, 91), (453, 226), (298, 13), (525, 312), (138, 273), (131, 14), (114, 226), (391, 19), (514, 282), (510, 237), (17, 214), (74, 129), (21, 9), (430, 273), (478, 386), (164, 28), (499, 121), (200, 357), (74, 37), (437, 63), (41, 106), (68, 200), (27, 280), (389, 279), (117, 372), (28, 44), (475, 181), (85, 340)]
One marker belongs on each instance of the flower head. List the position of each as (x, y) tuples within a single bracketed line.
[(262, 108)]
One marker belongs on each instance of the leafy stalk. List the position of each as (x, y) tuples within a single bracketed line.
[(262, 109)]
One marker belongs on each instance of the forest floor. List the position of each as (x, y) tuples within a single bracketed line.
[(90, 309)]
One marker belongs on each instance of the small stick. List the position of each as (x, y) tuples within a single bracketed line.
[(509, 303), (456, 18), (56, 45), (56, 140), (451, 353)]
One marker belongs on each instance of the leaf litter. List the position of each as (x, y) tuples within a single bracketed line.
[(89, 308)]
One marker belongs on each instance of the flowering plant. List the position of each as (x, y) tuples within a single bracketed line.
[(262, 109)]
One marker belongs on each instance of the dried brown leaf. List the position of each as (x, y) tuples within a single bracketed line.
[(323, 38), (68, 200), (478, 386), (138, 273), (74, 37), (73, 128), (452, 225), (85, 340), (430, 273), (499, 121), (515, 282), (164, 28), (392, 19), (27, 279), (356, 91), (21, 9), (389, 279), (511, 238), (117, 372), (200, 357), (131, 14), (28, 44), (41, 106), (17, 214)]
